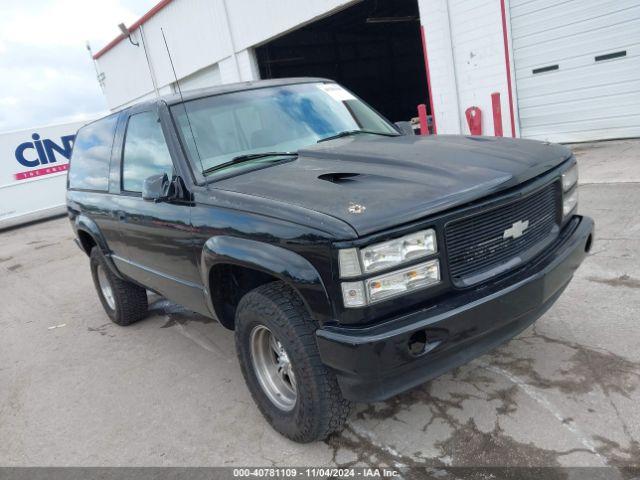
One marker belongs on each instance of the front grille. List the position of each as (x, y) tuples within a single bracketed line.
[(476, 245)]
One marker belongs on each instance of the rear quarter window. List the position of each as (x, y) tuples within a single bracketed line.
[(89, 166)]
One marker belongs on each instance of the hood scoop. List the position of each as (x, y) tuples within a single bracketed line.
[(339, 177)]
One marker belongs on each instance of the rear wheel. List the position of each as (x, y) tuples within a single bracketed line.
[(123, 301), (275, 340)]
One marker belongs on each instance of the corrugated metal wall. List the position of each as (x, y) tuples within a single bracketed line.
[(577, 68)]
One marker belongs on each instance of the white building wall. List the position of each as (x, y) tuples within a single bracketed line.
[(476, 26), (206, 77), (228, 70), (33, 185), (199, 36), (464, 42), (126, 75), (248, 65), (195, 33), (256, 21), (434, 18)]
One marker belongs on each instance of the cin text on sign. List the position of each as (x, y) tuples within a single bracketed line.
[(41, 152)]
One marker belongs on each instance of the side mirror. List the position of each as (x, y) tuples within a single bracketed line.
[(405, 127), (156, 188)]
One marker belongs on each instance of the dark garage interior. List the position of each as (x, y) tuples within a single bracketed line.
[(373, 48)]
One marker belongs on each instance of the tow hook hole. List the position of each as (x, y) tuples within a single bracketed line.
[(417, 343), (587, 245)]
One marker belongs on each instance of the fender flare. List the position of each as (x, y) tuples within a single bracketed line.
[(87, 225), (279, 262)]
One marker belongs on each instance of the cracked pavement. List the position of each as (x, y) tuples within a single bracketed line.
[(168, 390)]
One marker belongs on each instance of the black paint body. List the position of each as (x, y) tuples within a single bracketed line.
[(288, 221)]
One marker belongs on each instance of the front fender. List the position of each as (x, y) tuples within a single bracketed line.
[(279, 262)]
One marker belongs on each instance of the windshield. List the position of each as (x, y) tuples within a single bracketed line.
[(275, 119)]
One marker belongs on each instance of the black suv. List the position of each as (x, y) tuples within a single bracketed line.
[(353, 261)]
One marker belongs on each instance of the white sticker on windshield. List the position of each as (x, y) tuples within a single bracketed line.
[(336, 91)]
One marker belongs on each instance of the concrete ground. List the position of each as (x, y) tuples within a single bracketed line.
[(77, 390)]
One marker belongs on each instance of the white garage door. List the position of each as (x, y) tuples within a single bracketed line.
[(577, 68)]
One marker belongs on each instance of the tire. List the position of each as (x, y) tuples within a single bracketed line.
[(319, 408), (127, 302)]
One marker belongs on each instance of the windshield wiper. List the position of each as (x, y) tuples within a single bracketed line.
[(348, 133), (247, 157)]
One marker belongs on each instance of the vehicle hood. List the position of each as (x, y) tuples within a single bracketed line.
[(374, 182)]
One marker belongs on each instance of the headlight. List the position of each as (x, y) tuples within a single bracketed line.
[(359, 294), (398, 251), (569, 178), (569, 201)]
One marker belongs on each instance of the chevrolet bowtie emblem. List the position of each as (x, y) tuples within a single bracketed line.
[(516, 230)]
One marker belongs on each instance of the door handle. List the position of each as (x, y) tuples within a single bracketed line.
[(122, 216)]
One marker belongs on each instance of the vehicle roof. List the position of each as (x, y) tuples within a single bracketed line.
[(175, 98)]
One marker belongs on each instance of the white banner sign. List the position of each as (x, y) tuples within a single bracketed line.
[(33, 165)]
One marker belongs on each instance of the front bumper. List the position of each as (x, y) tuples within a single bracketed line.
[(374, 363)]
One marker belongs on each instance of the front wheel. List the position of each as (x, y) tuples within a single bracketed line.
[(275, 340)]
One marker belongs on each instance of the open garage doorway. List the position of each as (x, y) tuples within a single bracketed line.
[(373, 48)]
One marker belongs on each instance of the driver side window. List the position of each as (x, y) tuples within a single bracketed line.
[(145, 151)]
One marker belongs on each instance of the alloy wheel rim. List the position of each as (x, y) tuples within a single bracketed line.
[(105, 288), (273, 368)]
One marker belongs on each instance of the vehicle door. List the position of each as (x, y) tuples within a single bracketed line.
[(157, 234)]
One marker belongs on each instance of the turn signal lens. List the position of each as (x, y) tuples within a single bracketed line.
[(353, 294), (569, 202), (349, 263), (403, 281)]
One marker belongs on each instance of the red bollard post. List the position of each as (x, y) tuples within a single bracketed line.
[(422, 115), (497, 114)]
